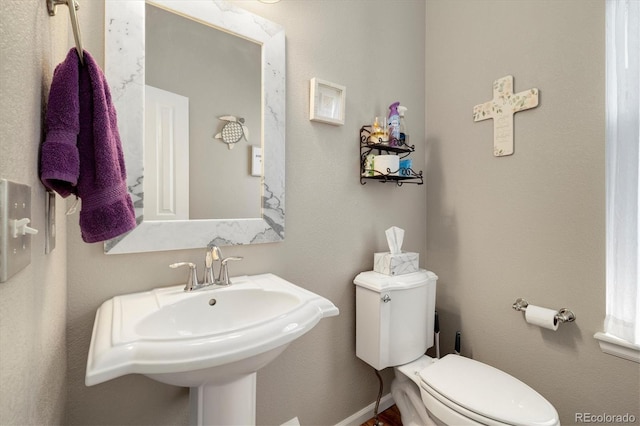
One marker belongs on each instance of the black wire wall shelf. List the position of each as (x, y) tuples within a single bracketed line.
[(400, 176)]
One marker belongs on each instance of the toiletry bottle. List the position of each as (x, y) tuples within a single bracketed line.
[(394, 124), (403, 127)]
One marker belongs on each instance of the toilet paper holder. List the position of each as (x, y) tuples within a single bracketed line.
[(563, 315)]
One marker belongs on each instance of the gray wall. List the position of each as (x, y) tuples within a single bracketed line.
[(33, 302), (530, 225)]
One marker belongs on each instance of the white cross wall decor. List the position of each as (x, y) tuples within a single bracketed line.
[(501, 108)]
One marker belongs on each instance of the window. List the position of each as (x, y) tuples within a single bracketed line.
[(622, 321)]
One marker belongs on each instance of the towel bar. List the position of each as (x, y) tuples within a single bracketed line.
[(51, 7)]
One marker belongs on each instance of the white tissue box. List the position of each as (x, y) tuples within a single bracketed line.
[(396, 264)]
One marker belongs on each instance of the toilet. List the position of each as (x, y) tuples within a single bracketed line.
[(394, 328)]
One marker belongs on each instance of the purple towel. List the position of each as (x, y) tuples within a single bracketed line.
[(82, 152)]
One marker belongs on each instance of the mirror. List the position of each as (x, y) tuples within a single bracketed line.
[(125, 63), (186, 92)]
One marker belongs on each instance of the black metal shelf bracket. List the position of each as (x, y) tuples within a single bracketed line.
[(400, 176)]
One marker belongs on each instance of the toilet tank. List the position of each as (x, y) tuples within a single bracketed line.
[(394, 317)]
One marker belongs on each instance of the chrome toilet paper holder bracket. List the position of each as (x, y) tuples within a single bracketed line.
[(563, 315)]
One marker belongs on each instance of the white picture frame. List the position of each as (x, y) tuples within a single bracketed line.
[(327, 102)]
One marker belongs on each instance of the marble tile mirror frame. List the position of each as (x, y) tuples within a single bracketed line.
[(124, 68)]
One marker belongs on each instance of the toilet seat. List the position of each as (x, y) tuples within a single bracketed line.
[(484, 394)]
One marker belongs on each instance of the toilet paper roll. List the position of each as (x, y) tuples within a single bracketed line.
[(542, 317), (368, 165), (385, 163)]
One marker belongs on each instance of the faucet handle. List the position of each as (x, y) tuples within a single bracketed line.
[(192, 281), (216, 254), (213, 254), (208, 269), (223, 277)]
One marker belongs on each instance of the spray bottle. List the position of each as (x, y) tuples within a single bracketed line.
[(394, 124), (403, 127)]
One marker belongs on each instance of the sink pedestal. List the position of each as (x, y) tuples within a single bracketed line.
[(231, 403)]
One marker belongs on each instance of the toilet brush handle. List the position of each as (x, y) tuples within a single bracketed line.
[(436, 334)]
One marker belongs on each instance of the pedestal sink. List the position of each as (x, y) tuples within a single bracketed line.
[(212, 340)]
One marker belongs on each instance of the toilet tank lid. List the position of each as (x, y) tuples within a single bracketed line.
[(487, 391), (381, 282)]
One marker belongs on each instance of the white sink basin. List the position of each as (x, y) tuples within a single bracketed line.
[(204, 337), (233, 308)]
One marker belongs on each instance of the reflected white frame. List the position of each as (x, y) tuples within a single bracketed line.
[(124, 68), (327, 102)]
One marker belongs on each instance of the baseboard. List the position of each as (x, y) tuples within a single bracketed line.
[(367, 412)]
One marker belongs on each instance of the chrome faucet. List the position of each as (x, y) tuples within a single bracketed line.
[(192, 281), (223, 276), (213, 254)]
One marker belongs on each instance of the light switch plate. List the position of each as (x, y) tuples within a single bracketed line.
[(256, 161), (15, 204)]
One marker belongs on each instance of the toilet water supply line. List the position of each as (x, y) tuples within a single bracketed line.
[(375, 409)]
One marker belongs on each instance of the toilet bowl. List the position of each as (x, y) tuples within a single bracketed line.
[(394, 328), (405, 390), (460, 391)]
